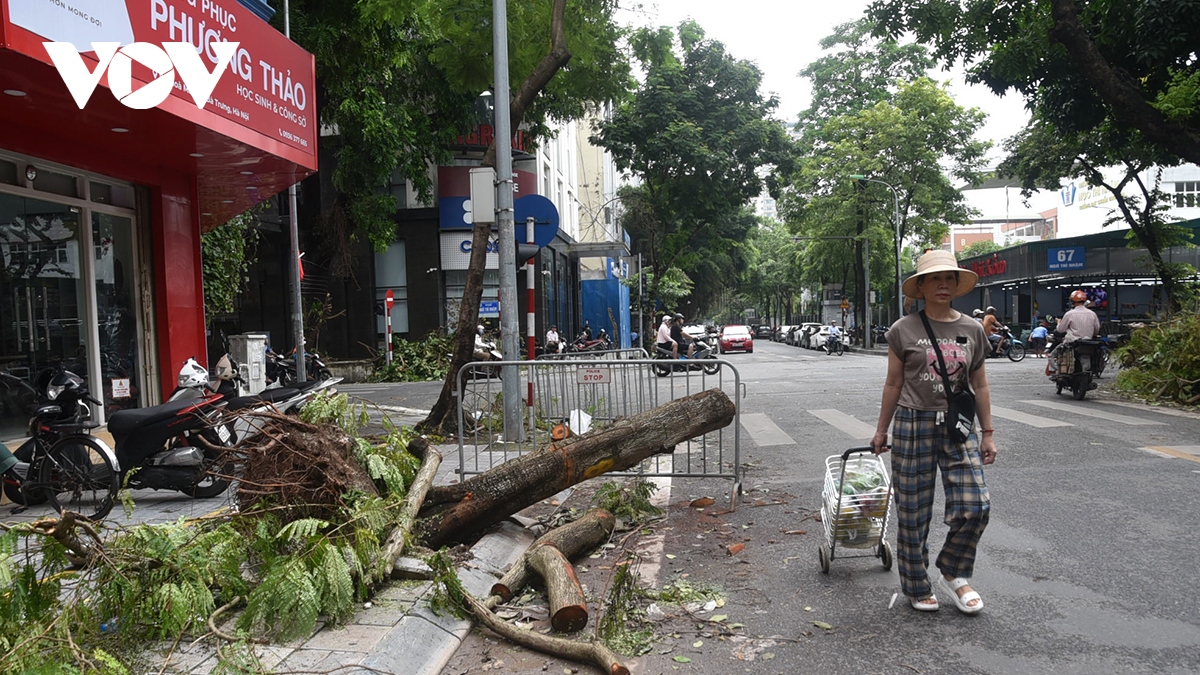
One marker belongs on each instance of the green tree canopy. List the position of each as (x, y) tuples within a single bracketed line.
[(695, 135), (398, 81), (915, 138), (1076, 62)]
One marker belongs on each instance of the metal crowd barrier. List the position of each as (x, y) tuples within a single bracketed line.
[(606, 354), (585, 394)]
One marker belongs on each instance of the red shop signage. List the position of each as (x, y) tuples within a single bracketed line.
[(480, 138), (269, 87), (989, 267)]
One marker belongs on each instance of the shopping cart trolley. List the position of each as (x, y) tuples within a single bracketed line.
[(854, 506)]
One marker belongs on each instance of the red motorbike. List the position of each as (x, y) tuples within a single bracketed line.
[(584, 342)]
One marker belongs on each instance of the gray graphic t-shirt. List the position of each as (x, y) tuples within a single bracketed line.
[(963, 344)]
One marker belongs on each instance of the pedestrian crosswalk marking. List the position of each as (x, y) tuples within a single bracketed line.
[(764, 431), (1188, 452), (847, 423), (1161, 410), (1026, 418), (1094, 411)]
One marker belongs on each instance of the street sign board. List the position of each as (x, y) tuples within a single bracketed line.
[(1072, 258), (545, 219), (593, 375), (489, 309), (390, 299)]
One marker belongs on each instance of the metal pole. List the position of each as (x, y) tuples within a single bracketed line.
[(641, 303), (866, 291), (294, 233), (530, 304), (899, 293), (510, 344)]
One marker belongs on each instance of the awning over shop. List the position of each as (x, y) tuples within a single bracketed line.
[(256, 134)]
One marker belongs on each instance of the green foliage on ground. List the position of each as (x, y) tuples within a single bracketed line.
[(421, 360), (1161, 362), (164, 581), (628, 500)]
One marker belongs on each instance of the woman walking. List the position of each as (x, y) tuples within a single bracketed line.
[(915, 405)]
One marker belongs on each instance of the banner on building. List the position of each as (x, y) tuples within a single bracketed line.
[(456, 251)]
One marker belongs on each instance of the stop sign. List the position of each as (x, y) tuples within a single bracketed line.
[(390, 299)]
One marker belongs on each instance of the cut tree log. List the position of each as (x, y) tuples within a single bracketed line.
[(568, 606), (580, 535), (431, 459), (453, 512), (590, 652)]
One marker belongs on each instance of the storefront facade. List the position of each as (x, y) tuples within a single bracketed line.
[(1038, 277), (102, 204)]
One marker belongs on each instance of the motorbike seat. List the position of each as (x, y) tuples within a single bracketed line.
[(72, 426), (44, 410), (122, 422)]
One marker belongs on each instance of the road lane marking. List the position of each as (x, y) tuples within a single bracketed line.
[(764, 431), (1157, 409), (1097, 412), (1188, 452), (1026, 418), (401, 410), (853, 427)]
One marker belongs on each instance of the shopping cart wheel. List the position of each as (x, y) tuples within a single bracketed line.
[(885, 555), (823, 556)]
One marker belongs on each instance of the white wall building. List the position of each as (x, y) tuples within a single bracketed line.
[(1007, 218)]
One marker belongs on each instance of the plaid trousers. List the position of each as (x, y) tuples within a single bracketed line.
[(920, 448)]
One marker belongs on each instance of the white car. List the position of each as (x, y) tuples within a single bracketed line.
[(817, 341)]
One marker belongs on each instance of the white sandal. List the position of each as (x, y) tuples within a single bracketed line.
[(952, 587), (929, 604)]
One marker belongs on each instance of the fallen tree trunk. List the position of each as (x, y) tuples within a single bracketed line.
[(453, 512), (582, 534), (431, 459), (568, 606), (591, 652)]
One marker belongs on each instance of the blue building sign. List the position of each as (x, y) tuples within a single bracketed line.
[(1059, 259)]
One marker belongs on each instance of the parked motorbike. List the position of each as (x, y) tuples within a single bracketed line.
[(194, 384), (1079, 362), (60, 462), (281, 370), (1011, 347), (702, 358), (584, 342)]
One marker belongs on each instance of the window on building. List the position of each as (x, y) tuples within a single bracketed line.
[(1187, 194)]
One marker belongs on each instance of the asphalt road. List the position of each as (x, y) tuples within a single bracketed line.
[(1087, 566)]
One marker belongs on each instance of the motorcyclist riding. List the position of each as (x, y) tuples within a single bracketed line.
[(680, 337), (991, 326), (665, 340), (483, 348), (1078, 323)]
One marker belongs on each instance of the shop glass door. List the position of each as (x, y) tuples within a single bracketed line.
[(112, 240), (42, 296)]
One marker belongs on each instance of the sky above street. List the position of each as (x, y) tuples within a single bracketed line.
[(783, 36)]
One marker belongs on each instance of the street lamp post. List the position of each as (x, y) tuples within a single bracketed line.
[(896, 223)]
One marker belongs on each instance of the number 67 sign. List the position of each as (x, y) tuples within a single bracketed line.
[(1072, 258)]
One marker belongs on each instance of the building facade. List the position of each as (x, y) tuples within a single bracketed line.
[(104, 192)]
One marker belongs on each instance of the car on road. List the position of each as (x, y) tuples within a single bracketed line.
[(817, 341), (736, 338), (780, 334), (764, 332), (805, 339)]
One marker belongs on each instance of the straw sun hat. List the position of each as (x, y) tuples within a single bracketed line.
[(938, 260)]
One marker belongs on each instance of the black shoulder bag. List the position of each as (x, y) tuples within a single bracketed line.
[(960, 417)]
